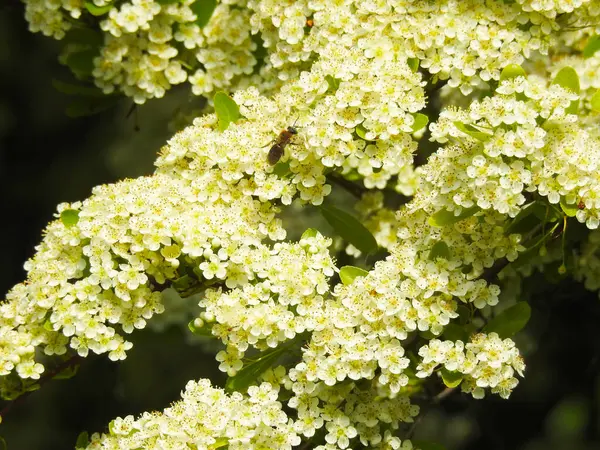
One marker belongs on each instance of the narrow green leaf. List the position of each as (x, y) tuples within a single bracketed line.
[(451, 379), (69, 217), (421, 121), (413, 63), (427, 445), (567, 78), (349, 228), (592, 46), (203, 9), (97, 10), (349, 273), (77, 89), (226, 108), (82, 440), (510, 321), (596, 101), (454, 332), (445, 217), (519, 224), (472, 131), (250, 373), (569, 209), (439, 250), (512, 71)]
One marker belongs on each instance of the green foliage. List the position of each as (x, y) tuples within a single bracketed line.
[(226, 109), (595, 102), (204, 10), (69, 217), (421, 121), (82, 440), (510, 321), (349, 273), (349, 228), (439, 250), (445, 217), (427, 445), (454, 332), (250, 372), (567, 78), (204, 330), (451, 379), (472, 131), (569, 209), (97, 10), (592, 46), (512, 71)]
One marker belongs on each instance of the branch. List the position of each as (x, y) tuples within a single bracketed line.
[(43, 379)]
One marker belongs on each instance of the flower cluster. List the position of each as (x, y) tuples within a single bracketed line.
[(513, 143), (150, 45), (486, 362), (206, 417)]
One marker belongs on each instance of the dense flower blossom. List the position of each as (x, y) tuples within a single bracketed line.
[(208, 221)]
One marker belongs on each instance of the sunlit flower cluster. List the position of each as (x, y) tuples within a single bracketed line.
[(521, 140), (486, 362), (149, 45), (206, 417)]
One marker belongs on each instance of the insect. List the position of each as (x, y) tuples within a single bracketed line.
[(281, 141)]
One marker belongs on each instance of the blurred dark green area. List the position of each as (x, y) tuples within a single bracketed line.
[(47, 158)]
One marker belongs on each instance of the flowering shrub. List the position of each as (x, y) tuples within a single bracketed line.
[(317, 354)]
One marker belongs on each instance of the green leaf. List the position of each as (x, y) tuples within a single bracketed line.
[(281, 169), (596, 101), (84, 36), (77, 89), (451, 379), (593, 45), (349, 273), (512, 71), (168, 2), (67, 373), (567, 78), (413, 63), (427, 445), (439, 250), (472, 131), (510, 321), (203, 9), (226, 108), (204, 330), (219, 443), (454, 332), (250, 373), (361, 132), (88, 106), (82, 63), (421, 121), (97, 10), (69, 217), (82, 440), (569, 209), (445, 217), (519, 224), (349, 228), (309, 233), (334, 83)]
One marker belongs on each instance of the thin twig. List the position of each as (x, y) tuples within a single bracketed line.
[(43, 379)]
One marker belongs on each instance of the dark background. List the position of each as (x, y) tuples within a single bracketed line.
[(47, 158)]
